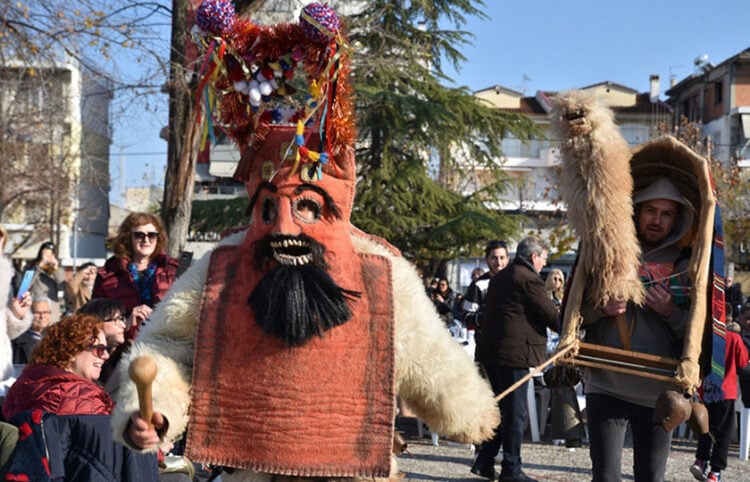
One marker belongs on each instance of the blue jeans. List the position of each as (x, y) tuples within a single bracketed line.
[(514, 413), (608, 418)]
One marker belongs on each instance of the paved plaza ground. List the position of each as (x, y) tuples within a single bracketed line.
[(543, 461)]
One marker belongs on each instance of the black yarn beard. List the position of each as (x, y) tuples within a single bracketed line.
[(297, 303)]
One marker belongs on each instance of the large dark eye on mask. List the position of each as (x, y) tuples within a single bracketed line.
[(308, 209), (269, 210)]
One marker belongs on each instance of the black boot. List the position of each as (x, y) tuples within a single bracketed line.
[(485, 470)]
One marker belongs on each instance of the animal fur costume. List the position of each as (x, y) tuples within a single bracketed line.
[(264, 378), (597, 186)]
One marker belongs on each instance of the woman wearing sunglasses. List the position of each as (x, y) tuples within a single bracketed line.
[(555, 285), (60, 378), (140, 272), (62, 413), (112, 313)]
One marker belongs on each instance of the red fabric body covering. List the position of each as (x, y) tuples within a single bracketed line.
[(323, 409)]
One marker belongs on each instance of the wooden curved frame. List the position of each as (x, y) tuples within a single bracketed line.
[(690, 173)]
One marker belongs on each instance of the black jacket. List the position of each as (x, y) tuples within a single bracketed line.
[(23, 346), (517, 314), (77, 448)]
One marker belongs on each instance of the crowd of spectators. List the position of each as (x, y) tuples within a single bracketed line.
[(63, 341)]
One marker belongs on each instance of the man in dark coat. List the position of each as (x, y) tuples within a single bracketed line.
[(496, 256), (514, 338)]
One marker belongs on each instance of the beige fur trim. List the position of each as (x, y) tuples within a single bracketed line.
[(434, 375), (597, 189)]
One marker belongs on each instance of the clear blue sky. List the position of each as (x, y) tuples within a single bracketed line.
[(575, 43), (552, 44)]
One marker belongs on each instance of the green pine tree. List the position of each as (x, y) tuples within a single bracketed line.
[(411, 123)]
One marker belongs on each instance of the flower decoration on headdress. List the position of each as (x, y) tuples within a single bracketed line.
[(287, 74)]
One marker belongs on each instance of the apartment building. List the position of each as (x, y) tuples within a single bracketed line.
[(57, 130), (534, 164), (718, 98)]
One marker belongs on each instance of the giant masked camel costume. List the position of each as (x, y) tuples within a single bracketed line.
[(283, 350)]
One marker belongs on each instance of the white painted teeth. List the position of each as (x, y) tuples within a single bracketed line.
[(289, 243), (288, 259)]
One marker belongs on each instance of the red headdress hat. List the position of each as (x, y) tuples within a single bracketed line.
[(282, 93)]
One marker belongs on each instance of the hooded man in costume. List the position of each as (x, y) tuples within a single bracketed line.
[(663, 218), (282, 352), (642, 290)]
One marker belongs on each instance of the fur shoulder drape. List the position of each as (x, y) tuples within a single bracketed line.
[(596, 186)]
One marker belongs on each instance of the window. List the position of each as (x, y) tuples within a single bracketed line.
[(514, 147), (530, 149), (718, 91), (29, 97), (685, 108), (511, 146), (39, 157), (635, 134)]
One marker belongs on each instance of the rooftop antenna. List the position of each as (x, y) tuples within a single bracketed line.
[(672, 75), (524, 80)]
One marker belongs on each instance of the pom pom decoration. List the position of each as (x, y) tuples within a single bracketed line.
[(319, 22), (215, 16), (253, 77)]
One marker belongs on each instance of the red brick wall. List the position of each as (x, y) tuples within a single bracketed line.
[(742, 85)]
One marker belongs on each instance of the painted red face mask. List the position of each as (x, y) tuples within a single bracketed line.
[(299, 238)]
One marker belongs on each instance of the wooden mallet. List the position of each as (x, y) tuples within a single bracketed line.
[(142, 371)]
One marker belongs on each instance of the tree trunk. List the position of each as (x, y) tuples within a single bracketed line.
[(182, 138)]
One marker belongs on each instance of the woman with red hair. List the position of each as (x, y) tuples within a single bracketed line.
[(60, 378), (140, 272), (64, 416)]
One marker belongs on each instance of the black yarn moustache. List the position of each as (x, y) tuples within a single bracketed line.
[(296, 302)]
